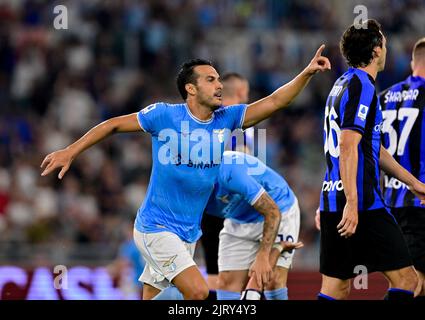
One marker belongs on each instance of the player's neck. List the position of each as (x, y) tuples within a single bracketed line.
[(371, 69), (230, 101), (419, 72), (199, 111)]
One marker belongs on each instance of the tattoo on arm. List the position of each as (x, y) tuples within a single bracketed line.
[(269, 209)]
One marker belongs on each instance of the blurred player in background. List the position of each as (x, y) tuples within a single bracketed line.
[(356, 227), (255, 202), (403, 130), (128, 266), (167, 225), (235, 91), (236, 88)]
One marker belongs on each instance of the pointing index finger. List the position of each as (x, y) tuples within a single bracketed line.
[(319, 51), (46, 160)]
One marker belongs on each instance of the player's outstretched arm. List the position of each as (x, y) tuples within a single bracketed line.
[(63, 158), (262, 109), (261, 268), (390, 166)]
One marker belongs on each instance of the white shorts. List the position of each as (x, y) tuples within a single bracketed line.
[(166, 255), (239, 243)]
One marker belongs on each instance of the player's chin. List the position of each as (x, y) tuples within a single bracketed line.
[(216, 104)]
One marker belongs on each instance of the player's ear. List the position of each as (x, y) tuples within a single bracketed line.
[(377, 51), (412, 64), (190, 88)]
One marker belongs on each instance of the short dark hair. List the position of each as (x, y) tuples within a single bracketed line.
[(357, 43), (187, 75), (419, 49), (232, 75), (228, 80)]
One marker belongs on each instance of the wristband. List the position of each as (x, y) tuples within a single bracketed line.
[(278, 246)]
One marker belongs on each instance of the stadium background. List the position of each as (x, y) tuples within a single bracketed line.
[(119, 56)]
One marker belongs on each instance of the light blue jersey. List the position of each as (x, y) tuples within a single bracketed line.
[(241, 181), (186, 155)]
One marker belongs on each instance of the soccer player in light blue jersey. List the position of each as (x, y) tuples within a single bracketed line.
[(259, 208), (188, 140)]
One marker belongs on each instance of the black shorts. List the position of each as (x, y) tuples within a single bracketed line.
[(211, 227), (377, 244), (412, 223)]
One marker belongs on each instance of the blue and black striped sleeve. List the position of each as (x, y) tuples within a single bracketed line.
[(358, 103)]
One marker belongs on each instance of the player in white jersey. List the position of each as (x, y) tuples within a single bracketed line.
[(253, 199)]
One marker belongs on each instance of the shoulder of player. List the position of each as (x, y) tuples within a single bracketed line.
[(232, 164), (234, 157), (170, 106), (361, 83), (364, 79), (223, 109), (164, 108), (384, 92), (395, 87)]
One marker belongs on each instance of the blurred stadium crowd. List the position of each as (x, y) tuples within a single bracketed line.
[(117, 57)]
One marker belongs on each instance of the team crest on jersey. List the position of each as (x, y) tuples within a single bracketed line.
[(220, 134), (362, 112)]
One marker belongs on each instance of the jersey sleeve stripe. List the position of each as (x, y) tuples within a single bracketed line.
[(139, 120), (350, 108), (257, 196), (243, 117)]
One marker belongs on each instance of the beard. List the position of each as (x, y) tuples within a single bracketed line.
[(216, 106), (210, 102)]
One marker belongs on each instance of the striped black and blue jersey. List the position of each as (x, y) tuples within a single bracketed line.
[(404, 136), (353, 104)]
